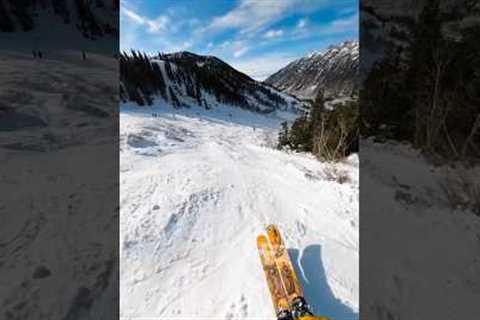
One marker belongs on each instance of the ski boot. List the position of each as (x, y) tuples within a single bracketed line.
[(301, 310), (284, 315)]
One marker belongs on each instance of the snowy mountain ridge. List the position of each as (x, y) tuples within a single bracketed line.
[(333, 71), (185, 79)]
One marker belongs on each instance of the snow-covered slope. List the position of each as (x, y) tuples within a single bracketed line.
[(420, 242), (333, 71), (196, 188), (59, 196)]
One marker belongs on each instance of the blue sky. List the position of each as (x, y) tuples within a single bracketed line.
[(257, 37)]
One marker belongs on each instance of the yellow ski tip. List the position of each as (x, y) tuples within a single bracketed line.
[(270, 227), (274, 235), (261, 240)]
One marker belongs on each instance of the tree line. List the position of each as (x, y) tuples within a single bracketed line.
[(429, 93), (141, 79), (196, 77), (329, 134)]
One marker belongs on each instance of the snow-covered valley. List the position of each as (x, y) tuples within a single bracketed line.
[(197, 187)]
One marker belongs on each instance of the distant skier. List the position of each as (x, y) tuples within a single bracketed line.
[(84, 55), (40, 54)]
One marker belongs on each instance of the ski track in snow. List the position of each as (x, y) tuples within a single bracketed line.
[(197, 187)]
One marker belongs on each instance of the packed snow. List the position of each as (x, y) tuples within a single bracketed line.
[(420, 237), (58, 124), (198, 186)]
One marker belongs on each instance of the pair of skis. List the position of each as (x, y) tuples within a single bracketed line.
[(285, 289)]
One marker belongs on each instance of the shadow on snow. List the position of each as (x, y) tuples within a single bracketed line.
[(315, 285)]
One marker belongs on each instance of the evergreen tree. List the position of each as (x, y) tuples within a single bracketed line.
[(300, 136), (283, 135), (329, 134), (173, 98)]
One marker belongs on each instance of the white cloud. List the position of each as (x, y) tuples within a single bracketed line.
[(255, 15), (260, 68), (132, 16), (343, 24), (186, 45), (301, 23), (252, 16), (236, 48), (225, 44), (134, 25), (273, 33), (153, 25), (159, 24), (240, 52), (255, 23)]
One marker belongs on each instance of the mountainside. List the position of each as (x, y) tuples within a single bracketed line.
[(333, 71), (58, 25), (91, 18), (185, 79)]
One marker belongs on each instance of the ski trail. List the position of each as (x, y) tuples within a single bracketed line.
[(197, 188)]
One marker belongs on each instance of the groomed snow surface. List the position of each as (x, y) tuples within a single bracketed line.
[(198, 186)]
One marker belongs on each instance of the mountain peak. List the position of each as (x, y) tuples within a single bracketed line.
[(333, 70), (348, 46), (313, 54), (183, 54)]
